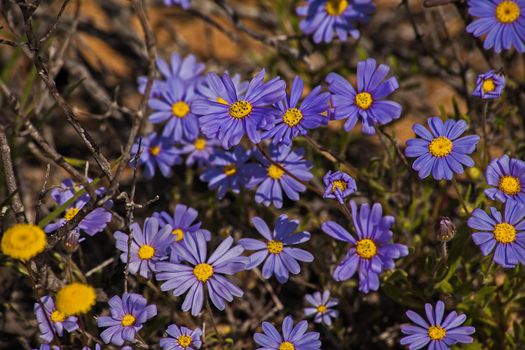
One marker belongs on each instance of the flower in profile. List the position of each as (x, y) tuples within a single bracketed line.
[(228, 170), (181, 338), (199, 151), (295, 118), (372, 251), (128, 314), (182, 222), (368, 101), (436, 332), (93, 223), (147, 247), (324, 18), (239, 114), (503, 22), (292, 338), (155, 151), (187, 69), (23, 241), (507, 176), (338, 185), (75, 298), (49, 316), (321, 306), (505, 233), (272, 178), (281, 258), (489, 85), (195, 272), (185, 4), (175, 106), (442, 152)]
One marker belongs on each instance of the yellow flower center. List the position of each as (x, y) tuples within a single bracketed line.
[(440, 147), (203, 272), (23, 241), (71, 213), (341, 185), (57, 316), (363, 100), (275, 247), (321, 309), (366, 248), (128, 320), (200, 144), (488, 85), (221, 100), (504, 233), (507, 12), (292, 117), (146, 252), (240, 109), (509, 185), (154, 151), (436, 332), (180, 109), (285, 345), (184, 341), (179, 233), (336, 8), (230, 169), (275, 172), (75, 298)]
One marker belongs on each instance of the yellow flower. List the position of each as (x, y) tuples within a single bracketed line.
[(23, 241), (75, 298)]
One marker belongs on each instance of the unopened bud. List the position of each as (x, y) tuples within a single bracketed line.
[(473, 173), (446, 229), (72, 240)]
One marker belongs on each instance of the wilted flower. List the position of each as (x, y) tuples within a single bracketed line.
[(372, 252), (489, 85), (280, 256), (338, 185), (503, 22), (49, 317), (436, 332), (292, 338), (506, 233), (128, 314), (147, 247), (322, 307), (368, 101), (446, 229), (442, 152), (196, 271)]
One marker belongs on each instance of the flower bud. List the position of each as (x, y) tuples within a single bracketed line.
[(446, 229)]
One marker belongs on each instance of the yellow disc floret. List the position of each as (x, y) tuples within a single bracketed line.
[(507, 12), (340, 185), (57, 316), (509, 185), (23, 241), (146, 252), (366, 248), (154, 151), (200, 144), (488, 85), (363, 100), (230, 169), (184, 341), (285, 345), (75, 298), (179, 233), (336, 7), (321, 309), (275, 172), (440, 147), (275, 247), (203, 272), (504, 233), (240, 109), (180, 109), (292, 117), (128, 320), (436, 332), (71, 213)]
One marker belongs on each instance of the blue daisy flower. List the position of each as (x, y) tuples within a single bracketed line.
[(489, 85), (199, 151), (292, 338), (442, 151), (155, 152), (182, 222), (507, 176), (321, 306)]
